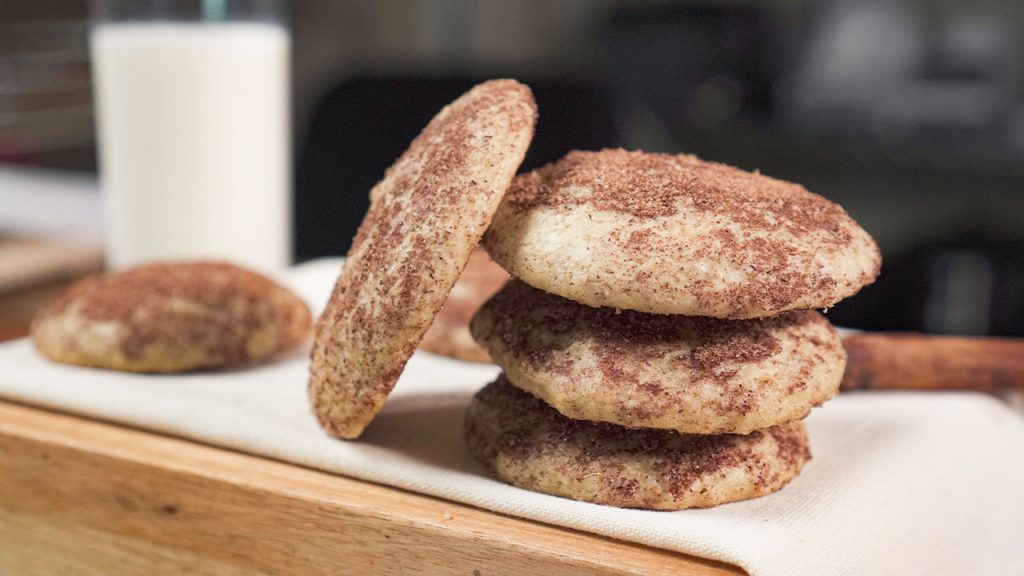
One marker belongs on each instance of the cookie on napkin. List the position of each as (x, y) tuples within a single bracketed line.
[(171, 317), (528, 444), (426, 216), (449, 334)]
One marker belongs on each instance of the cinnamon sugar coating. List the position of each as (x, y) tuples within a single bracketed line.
[(449, 334), (171, 317), (528, 444), (691, 374), (673, 234), (426, 216)]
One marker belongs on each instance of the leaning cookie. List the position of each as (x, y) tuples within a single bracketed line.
[(528, 444), (171, 317), (426, 216), (678, 235), (449, 334), (685, 373)]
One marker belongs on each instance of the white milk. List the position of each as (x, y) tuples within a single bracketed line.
[(194, 141)]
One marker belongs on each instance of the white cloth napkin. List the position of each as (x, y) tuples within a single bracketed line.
[(899, 484)]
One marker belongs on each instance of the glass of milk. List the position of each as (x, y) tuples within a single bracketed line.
[(192, 102)]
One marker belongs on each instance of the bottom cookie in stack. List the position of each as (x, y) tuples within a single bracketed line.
[(647, 411), (529, 444)]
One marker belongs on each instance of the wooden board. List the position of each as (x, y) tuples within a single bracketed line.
[(79, 497)]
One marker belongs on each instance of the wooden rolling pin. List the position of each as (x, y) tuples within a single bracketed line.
[(918, 362)]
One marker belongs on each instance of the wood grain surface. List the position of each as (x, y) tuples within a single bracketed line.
[(84, 497)]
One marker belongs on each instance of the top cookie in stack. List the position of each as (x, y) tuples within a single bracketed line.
[(677, 235), (662, 316)]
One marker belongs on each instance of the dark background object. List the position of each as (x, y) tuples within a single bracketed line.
[(968, 286), (364, 124), (689, 64)]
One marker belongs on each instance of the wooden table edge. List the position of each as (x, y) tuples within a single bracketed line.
[(128, 499)]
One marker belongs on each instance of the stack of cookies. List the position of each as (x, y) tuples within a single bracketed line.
[(659, 341)]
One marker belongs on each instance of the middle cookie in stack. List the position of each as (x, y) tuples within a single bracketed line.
[(658, 329)]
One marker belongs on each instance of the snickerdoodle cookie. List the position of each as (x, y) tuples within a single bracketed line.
[(685, 373), (171, 317), (528, 444), (426, 216), (449, 334), (677, 235)]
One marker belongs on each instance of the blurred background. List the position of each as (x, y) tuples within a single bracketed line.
[(909, 113)]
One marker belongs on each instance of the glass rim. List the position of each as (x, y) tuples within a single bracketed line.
[(188, 11)]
